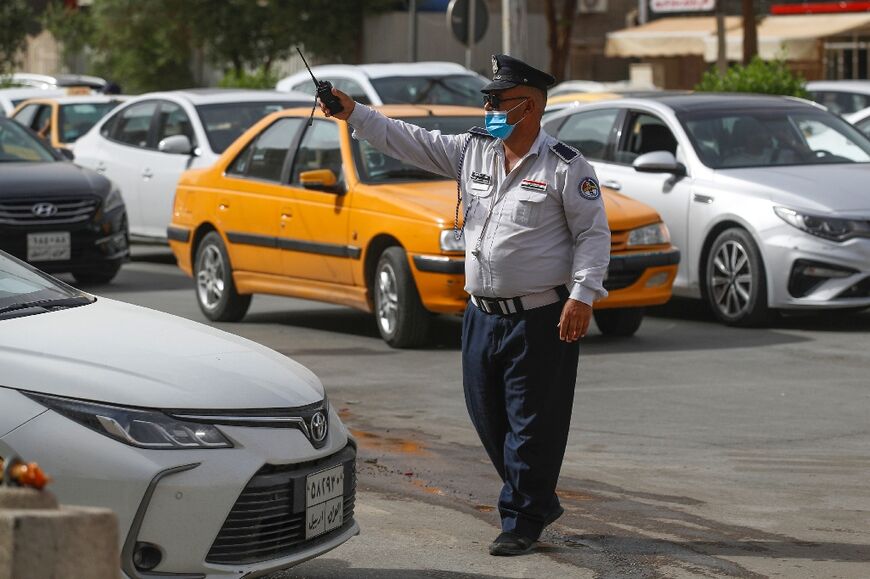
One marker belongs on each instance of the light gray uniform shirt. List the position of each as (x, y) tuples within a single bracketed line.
[(540, 226)]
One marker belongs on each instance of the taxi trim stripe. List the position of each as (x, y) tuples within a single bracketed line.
[(330, 249)]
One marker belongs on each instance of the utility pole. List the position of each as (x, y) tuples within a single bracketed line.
[(412, 30), (750, 32), (721, 58), (513, 37), (469, 50)]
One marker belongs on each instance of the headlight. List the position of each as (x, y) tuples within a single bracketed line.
[(829, 228), (113, 200), (449, 242), (655, 234), (137, 427)]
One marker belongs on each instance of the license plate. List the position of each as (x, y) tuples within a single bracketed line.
[(53, 246), (324, 501)]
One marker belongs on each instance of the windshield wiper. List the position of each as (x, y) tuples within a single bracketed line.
[(47, 304), (410, 173)]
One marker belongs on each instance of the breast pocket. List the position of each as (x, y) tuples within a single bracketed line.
[(476, 199), (528, 207)]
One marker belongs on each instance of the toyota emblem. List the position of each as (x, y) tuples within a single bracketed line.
[(44, 209), (318, 427)]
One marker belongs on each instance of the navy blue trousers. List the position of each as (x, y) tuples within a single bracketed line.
[(519, 388)]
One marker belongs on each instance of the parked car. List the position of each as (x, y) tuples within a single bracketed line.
[(62, 120), (444, 83), (765, 196), (56, 215), (589, 86), (12, 97), (307, 211), (861, 120), (55, 81), (145, 144), (220, 457), (840, 96)]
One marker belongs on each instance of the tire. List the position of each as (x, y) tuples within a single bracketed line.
[(622, 322), (97, 276), (734, 280), (215, 290), (402, 320)]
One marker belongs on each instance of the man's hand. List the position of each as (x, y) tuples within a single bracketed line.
[(346, 103), (574, 321)]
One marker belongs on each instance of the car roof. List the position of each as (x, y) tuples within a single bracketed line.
[(30, 92), (206, 96), (79, 99), (861, 86), (60, 79), (410, 111), (721, 101), (432, 68)]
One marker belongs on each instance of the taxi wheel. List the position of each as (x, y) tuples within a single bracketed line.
[(619, 322), (735, 284), (402, 320), (215, 290)]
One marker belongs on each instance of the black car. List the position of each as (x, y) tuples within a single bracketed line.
[(56, 215)]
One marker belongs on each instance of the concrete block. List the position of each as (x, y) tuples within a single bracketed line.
[(60, 543)]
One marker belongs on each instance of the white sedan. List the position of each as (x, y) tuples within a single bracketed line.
[(220, 457), (146, 144)]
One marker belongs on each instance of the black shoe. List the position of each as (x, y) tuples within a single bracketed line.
[(509, 544)]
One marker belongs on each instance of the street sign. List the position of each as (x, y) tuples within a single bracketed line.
[(682, 5), (458, 18)]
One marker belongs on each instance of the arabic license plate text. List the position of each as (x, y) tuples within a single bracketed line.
[(324, 501), (54, 246)]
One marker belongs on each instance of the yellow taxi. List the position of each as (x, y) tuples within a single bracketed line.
[(302, 209), (61, 120)]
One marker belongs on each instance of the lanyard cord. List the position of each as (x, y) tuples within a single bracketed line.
[(457, 231)]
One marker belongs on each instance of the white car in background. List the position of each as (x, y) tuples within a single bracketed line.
[(861, 120), (842, 97), (147, 143), (220, 457), (444, 83), (766, 197), (55, 81), (10, 98)]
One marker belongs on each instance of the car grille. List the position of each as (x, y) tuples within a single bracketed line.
[(621, 279), (67, 210), (268, 519), (618, 240)]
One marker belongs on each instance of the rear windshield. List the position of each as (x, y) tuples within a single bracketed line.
[(77, 119), (458, 89), (225, 122), (376, 167)]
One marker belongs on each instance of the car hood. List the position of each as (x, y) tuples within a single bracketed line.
[(840, 188), (117, 353), (57, 178), (624, 213)]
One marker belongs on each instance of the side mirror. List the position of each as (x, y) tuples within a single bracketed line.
[(176, 145), (67, 154), (659, 162), (319, 179)]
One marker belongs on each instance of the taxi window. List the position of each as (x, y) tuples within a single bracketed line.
[(264, 157), (25, 115), (77, 119), (320, 149), (42, 122)]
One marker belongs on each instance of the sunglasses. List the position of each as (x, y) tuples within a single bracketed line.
[(495, 101)]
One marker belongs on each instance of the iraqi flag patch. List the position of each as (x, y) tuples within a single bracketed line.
[(589, 189), (533, 185)]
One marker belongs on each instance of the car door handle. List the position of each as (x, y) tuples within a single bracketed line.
[(705, 199), (615, 185), (286, 215), (147, 174), (101, 168)]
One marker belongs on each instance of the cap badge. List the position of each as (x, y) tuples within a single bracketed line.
[(494, 65)]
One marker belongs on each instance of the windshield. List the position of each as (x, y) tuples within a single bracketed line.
[(77, 119), (17, 145), (21, 284), (460, 89), (225, 122), (769, 138), (376, 167)]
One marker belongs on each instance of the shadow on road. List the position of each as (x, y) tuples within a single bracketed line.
[(323, 568)]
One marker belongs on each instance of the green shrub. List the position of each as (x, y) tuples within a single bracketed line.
[(759, 76), (257, 79)]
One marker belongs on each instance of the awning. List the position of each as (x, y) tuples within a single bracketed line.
[(790, 37), (674, 36)]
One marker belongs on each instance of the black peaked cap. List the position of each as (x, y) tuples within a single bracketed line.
[(508, 72)]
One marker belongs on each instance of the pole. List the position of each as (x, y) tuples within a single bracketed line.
[(506, 26), (412, 30), (469, 51), (721, 58), (750, 33)]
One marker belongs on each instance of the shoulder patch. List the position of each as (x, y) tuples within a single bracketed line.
[(565, 152), (480, 132), (589, 189)]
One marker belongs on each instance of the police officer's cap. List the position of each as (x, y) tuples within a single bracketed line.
[(508, 72)]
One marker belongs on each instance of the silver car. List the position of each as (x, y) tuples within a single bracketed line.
[(767, 197)]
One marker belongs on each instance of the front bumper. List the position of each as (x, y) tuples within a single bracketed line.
[(787, 251), (640, 279), (184, 501)]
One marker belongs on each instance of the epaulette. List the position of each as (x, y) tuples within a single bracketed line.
[(565, 152), (480, 132)]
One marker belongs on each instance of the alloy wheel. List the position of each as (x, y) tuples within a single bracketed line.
[(731, 279), (210, 277), (387, 299)]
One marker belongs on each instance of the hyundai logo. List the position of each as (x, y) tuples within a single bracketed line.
[(44, 209), (318, 427)]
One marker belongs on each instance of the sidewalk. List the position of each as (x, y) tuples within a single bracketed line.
[(406, 539)]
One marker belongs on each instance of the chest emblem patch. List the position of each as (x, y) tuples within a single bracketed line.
[(589, 189), (481, 178), (533, 185)]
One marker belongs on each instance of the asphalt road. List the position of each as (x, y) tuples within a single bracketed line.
[(696, 450)]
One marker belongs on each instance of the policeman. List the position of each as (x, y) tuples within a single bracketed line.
[(537, 248)]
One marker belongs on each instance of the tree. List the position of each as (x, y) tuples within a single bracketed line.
[(750, 32), (71, 25), (560, 25), (759, 76), (17, 20)]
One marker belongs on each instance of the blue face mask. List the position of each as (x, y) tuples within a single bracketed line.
[(497, 125)]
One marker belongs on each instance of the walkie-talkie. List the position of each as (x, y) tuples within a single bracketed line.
[(324, 89)]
